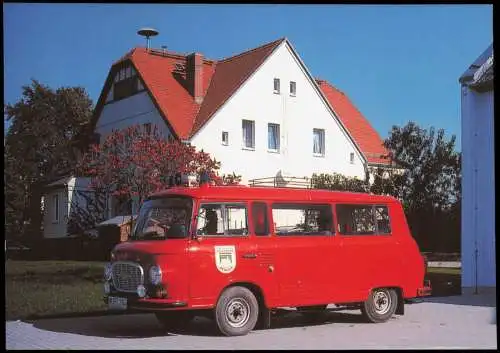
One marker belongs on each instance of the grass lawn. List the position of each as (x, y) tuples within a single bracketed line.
[(58, 287), (52, 287)]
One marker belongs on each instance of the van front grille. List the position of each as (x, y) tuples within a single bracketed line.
[(127, 276)]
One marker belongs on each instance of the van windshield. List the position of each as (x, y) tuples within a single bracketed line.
[(165, 218)]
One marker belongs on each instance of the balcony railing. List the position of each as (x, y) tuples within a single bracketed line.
[(281, 182)]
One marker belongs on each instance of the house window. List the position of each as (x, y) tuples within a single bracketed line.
[(319, 142), (273, 137), (277, 85), (248, 134), (125, 88), (55, 209), (147, 128), (126, 83), (293, 88), (351, 158), (225, 138)]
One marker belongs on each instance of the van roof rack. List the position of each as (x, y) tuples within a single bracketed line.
[(282, 182)]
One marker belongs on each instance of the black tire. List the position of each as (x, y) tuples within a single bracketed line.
[(380, 305), (236, 312), (174, 319)]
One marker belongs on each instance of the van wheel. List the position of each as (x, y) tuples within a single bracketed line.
[(174, 319), (236, 312), (380, 305)]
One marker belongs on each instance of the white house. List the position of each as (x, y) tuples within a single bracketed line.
[(58, 199), (260, 113), (478, 176)]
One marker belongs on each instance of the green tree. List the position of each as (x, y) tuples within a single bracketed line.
[(338, 182), (47, 130), (428, 182)]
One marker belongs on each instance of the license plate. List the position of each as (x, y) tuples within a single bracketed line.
[(117, 303)]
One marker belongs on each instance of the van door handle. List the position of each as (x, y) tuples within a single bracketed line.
[(249, 256)]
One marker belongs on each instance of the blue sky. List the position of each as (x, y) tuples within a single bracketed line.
[(396, 63)]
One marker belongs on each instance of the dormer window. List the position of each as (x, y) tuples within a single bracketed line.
[(126, 83)]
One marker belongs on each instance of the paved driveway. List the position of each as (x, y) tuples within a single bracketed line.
[(453, 322)]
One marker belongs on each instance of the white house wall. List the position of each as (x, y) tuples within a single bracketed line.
[(478, 206), (136, 109), (297, 116)]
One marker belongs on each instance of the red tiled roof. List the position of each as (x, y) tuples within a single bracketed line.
[(367, 138), (174, 100), (220, 80)]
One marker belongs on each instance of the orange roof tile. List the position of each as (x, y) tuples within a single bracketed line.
[(367, 138)]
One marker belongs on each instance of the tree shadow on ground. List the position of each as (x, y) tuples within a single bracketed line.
[(146, 325)]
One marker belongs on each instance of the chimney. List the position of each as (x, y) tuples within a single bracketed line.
[(194, 76)]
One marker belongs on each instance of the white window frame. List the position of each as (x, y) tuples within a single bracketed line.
[(225, 138), (293, 92), (351, 158), (277, 131), (56, 206), (244, 141), (322, 134), (276, 85)]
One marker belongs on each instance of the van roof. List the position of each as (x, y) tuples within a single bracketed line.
[(270, 193)]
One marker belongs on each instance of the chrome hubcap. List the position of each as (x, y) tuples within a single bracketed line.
[(237, 312), (382, 302)]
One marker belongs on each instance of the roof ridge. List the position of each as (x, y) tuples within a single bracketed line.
[(253, 50)]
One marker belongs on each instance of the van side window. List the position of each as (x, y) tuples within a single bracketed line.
[(356, 219), (222, 220), (363, 220), (259, 216), (302, 219), (382, 218)]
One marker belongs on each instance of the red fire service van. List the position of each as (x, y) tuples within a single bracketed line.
[(238, 253)]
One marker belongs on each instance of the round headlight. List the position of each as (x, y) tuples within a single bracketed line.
[(108, 273), (155, 275)]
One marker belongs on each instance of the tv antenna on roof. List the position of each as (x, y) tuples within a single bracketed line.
[(147, 32)]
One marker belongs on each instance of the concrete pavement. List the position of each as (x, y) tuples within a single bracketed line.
[(450, 322)]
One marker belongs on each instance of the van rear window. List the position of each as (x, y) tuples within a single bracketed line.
[(363, 219), (302, 219)]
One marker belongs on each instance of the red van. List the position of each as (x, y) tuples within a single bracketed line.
[(238, 253)]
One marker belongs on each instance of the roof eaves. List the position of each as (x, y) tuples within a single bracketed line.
[(253, 50), (480, 60)]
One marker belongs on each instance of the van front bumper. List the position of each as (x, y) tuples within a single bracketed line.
[(149, 304)]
